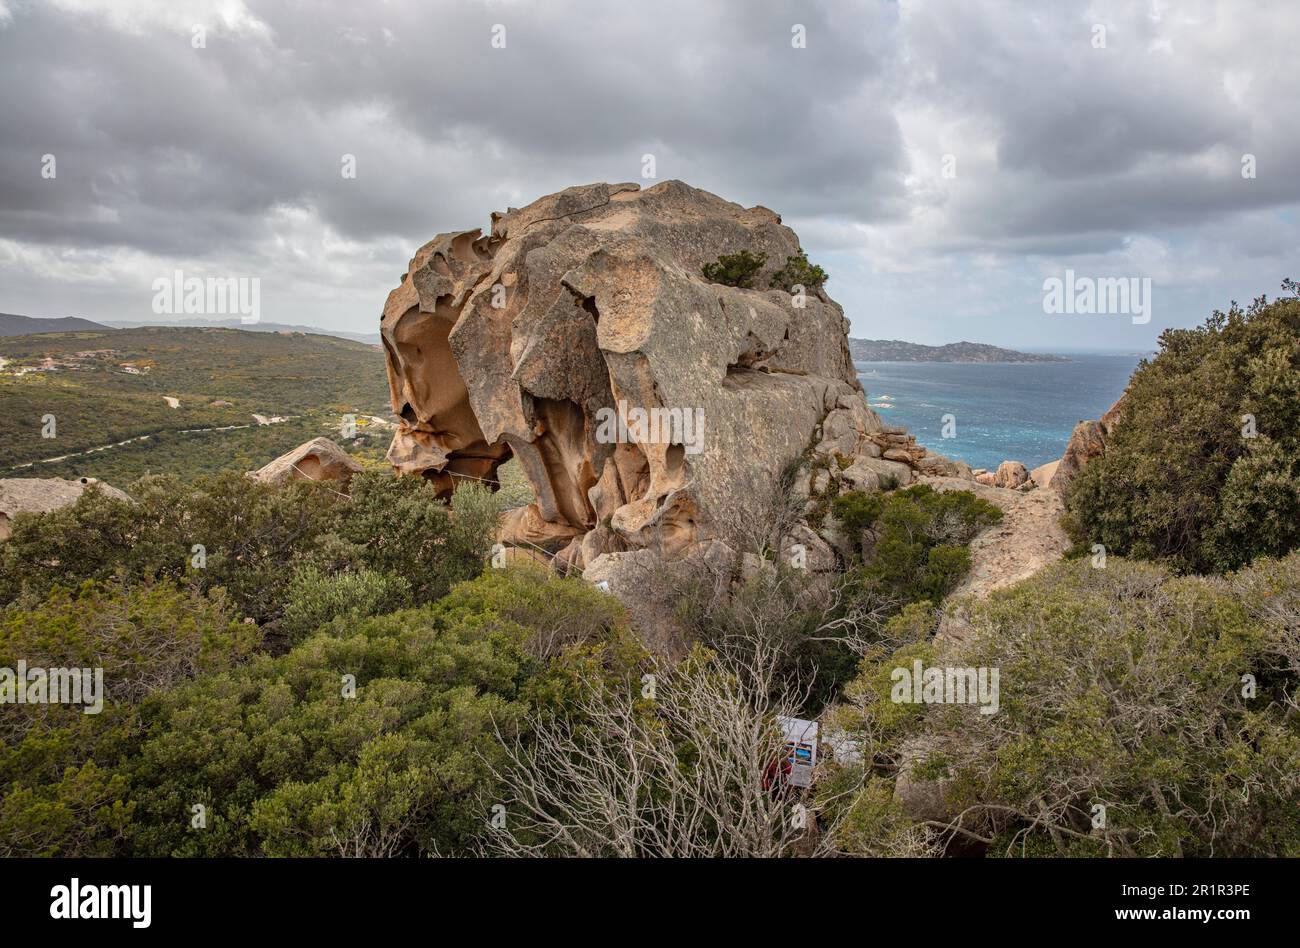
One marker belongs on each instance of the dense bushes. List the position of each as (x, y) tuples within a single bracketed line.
[(371, 737), (1139, 714), (259, 543), (174, 594), (58, 792), (288, 761), (315, 598), (913, 541), (1203, 469), (799, 272)]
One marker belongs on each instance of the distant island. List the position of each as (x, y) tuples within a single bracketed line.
[(895, 350)]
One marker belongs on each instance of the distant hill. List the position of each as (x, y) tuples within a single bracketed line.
[(107, 386), (895, 350), (370, 338), (13, 325)]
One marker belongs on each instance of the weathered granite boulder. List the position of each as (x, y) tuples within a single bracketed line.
[(645, 404), (319, 459), (43, 495), (1010, 474)]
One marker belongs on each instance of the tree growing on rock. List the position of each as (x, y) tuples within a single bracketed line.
[(735, 269), (799, 272)]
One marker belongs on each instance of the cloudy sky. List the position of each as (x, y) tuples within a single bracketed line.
[(940, 158)]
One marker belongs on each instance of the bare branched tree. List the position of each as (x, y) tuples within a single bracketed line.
[(688, 766), (755, 594), (753, 513)]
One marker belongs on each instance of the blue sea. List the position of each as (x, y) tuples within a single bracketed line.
[(1004, 411)]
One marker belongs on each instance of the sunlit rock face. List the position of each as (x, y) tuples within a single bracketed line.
[(646, 405)]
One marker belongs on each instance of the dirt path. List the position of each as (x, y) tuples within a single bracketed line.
[(1029, 537), (118, 444)]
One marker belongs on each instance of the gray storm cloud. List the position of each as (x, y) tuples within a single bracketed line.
[(228, 156)]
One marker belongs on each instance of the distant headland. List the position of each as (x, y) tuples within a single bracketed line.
[(895, 350)]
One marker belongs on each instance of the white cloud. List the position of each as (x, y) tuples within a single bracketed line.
[(176, 16)]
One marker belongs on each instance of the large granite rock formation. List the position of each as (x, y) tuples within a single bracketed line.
[(646, 405)]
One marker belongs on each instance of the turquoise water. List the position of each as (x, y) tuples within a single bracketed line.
[(1019, 412)]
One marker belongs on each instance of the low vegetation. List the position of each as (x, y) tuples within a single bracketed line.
[(272, 550), (1140, 714), (106, 387), (912, 542)]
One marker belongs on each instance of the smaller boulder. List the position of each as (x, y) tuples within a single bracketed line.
[(524, 526), (320, 459), (802, 548), (1087, 443), (1010, 474)]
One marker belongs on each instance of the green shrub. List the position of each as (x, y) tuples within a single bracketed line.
[(914, 540), (60, 794), (250, 534), (256, 538), (401, 528), (735, 269), (315, 598), (558, 614), (1163, 699), (145, 638), (1179, 480), (288, 764), (799, 272), (857, 510)]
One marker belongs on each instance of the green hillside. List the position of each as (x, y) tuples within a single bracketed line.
[(111, 386)]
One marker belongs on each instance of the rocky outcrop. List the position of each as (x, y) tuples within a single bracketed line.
[(1087, 441), (648, 407), (43, 495), (319, 459)]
